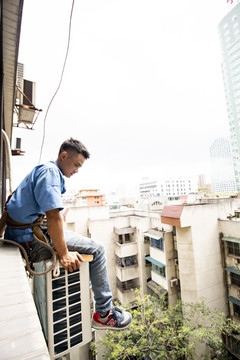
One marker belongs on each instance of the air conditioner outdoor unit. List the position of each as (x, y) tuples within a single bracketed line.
[(29, 89), (174, 282), (63, 306)]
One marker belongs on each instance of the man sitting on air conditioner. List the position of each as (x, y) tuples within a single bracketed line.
[(40, 194)]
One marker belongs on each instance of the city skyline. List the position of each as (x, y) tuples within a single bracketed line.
[(143, 82)]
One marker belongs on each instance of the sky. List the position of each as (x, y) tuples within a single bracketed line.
[(142, 86)]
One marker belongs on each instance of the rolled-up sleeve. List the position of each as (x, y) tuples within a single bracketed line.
[(47, 190)]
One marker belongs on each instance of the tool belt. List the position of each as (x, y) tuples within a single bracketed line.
[(35, 226), (6, 220)]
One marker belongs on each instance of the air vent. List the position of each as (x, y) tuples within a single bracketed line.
[(174, 282), (63, 305)]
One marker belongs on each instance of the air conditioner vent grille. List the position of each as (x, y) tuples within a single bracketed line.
[(60, 306)]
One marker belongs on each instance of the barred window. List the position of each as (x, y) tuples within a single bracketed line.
[(235, 279), (159, 270), (233, 248), (126, 261), (236, 310), (157, 243)]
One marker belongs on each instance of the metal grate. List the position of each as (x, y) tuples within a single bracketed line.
[(63, 305)]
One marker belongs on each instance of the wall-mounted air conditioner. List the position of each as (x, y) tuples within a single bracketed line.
[(27, 96), (63, 306), (173, 282)]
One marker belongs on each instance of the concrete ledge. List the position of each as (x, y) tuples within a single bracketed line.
[(21, 336)]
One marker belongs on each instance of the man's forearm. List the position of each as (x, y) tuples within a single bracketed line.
[(70, 260), (55, 230)]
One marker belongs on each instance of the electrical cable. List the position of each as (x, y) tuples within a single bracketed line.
[(63, 69), (55, 263), (8, 152)]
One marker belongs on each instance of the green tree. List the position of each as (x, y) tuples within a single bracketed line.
[(161, 332)]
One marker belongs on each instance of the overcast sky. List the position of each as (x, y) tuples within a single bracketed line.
[(142, 88)]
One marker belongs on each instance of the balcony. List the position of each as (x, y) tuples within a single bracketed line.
[(126, 249), (126, 291), (124, 235), (233, 344), (127, 273)]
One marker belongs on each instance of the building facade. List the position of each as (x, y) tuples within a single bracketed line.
[(139, 249), (229, 230), (171, 188), (229, 32), (188, 251), (223, 179)]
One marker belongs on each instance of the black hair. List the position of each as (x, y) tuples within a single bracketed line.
[(72, 146)]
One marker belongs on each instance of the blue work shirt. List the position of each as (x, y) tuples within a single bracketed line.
[(38, 193)]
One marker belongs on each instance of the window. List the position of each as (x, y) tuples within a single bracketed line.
[(127, 237), (127, 261), (159, 270), (174, 230), (235, 279), (157, 243), (146, 239), (127, 285), (236, 310), (233, 248)]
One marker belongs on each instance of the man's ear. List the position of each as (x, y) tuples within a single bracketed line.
[(63, 155)]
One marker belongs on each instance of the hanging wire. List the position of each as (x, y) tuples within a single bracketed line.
[(63, 69)]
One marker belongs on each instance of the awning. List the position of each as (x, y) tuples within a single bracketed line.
[(235, 271), (154, 234), (235, 240), (155, 262), (234, 300)]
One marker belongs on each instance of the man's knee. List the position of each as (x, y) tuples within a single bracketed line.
[(100, 249)]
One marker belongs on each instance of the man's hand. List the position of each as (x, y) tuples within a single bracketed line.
[(71, 261)]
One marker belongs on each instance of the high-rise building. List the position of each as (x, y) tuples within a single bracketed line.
[(223, 178), (229, 32)]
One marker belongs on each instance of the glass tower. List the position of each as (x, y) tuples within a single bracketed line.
[(229, 32), (223, 179)]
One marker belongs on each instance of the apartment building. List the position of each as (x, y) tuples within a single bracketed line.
[(135, 258), (171, 188), (229, 230), (187, 251), (90, 197), (207, 249)]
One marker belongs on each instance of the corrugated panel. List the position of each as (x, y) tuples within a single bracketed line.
[(230, 239), (235, 271), (154, 234), (155, 262), (12, 12), (234, 300)]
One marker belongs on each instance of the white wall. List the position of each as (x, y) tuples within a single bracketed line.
[(200, 265)]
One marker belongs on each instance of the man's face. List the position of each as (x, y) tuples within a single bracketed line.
[(70, 165)]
